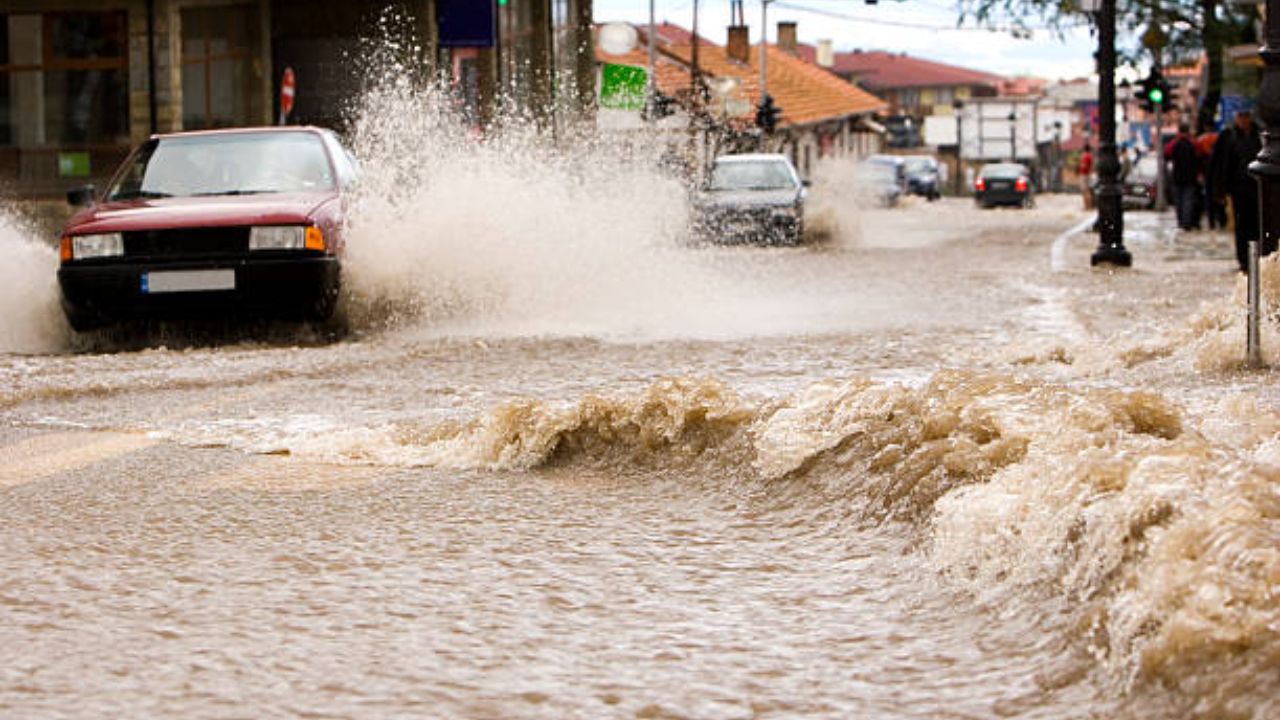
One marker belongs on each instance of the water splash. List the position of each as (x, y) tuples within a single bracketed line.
[(31, 320)]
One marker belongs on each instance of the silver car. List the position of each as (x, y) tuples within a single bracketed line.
[(752, 198)]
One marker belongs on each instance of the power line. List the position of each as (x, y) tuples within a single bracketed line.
[(1015, 29)]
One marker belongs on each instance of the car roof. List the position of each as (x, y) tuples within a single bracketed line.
[(753, 157), (241, 131)]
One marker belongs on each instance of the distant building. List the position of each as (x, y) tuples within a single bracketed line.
[(821, 115), (911, 86)]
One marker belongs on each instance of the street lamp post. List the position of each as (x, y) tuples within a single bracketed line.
[(1110, 250), (1266, 169)]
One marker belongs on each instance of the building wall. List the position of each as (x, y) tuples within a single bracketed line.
[(186, 83), (67, 125)]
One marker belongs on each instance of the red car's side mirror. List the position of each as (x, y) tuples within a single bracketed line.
[(81, 196)]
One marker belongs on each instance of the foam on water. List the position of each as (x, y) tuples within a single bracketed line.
[(31, 320)]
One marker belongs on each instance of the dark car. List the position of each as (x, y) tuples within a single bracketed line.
[(1004, 184), (1140, 183), (752, 198), (217, 223), (923, 176)]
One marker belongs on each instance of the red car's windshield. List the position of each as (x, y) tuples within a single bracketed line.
[(226, 164)]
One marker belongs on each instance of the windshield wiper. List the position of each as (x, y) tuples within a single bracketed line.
[(232, 192), (140, 194)]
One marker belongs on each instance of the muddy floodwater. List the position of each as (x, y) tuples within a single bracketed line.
[(932, 466)]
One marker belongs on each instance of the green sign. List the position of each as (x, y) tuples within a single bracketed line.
[(73, 164), (622, 87)]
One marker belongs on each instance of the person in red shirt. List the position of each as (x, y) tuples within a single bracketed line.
[(1215, 211), (1084, 168)]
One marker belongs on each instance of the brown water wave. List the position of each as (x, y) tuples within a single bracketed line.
[(1154, 527)]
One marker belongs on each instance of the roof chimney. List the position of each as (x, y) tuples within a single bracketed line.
[(787, 36), (826, 56), (739, 45)]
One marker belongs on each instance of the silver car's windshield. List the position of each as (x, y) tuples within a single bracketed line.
[(226, 164), (916, 165), (763, 175)]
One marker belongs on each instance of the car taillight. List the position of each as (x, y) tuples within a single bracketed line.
[(64, 249), (1151, 192), (980, 185), (1020, 185)]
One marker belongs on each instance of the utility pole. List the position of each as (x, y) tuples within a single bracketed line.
[(1013, 136), (958, 106), (764, 44), (1162, 178), (1110, 248), (650, 85), (1266, 169)]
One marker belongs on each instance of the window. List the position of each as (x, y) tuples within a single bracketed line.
[(222, 76), (63, 79)]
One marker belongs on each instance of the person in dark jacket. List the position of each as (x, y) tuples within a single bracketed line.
[(1186, 178), (1236, 147)]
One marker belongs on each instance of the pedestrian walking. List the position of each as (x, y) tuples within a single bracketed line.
[(1181, 150), (1084, 168), (1237, 146)]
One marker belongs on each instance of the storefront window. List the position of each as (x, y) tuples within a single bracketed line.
[(63, 79), (221, 73)]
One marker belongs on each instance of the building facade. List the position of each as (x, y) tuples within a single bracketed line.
[(82, 81)]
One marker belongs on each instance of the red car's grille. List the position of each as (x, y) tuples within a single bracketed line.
[(187, 243)]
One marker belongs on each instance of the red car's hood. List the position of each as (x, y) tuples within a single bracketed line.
[(212, 211)]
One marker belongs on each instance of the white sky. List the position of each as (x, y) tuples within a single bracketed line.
[(921, 28)]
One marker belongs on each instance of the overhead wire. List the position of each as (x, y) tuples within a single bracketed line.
[(933, 27)]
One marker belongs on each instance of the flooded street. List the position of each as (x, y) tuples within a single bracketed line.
[(933, 466)]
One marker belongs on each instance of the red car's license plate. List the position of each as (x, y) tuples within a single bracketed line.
[(187, 281)]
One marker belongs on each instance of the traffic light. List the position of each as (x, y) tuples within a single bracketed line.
[(767, 114), (1154, 91)]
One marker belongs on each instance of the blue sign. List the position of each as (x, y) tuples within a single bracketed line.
[(466, 23), (1229, 106)]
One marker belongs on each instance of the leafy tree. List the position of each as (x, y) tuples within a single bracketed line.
[(1185, 29)]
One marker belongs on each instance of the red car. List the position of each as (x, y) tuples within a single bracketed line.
[(218, 223)]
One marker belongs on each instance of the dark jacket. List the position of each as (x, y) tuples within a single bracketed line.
[(1229, 165), (1186, 164)]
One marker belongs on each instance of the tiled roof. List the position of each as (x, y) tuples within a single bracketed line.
[(805, 93), (671, 34), (879, 70)]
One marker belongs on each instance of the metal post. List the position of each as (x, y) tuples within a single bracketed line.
[(958, 105), (1266, 169), (764, 43), (1253, 351), (1162, 180), (1013, 136), (649, 83), (1110, 248)]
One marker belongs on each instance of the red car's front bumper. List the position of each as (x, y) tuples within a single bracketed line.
[(98, 293)]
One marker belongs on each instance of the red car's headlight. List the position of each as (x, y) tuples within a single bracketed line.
[(84, 247), (286, 237)]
